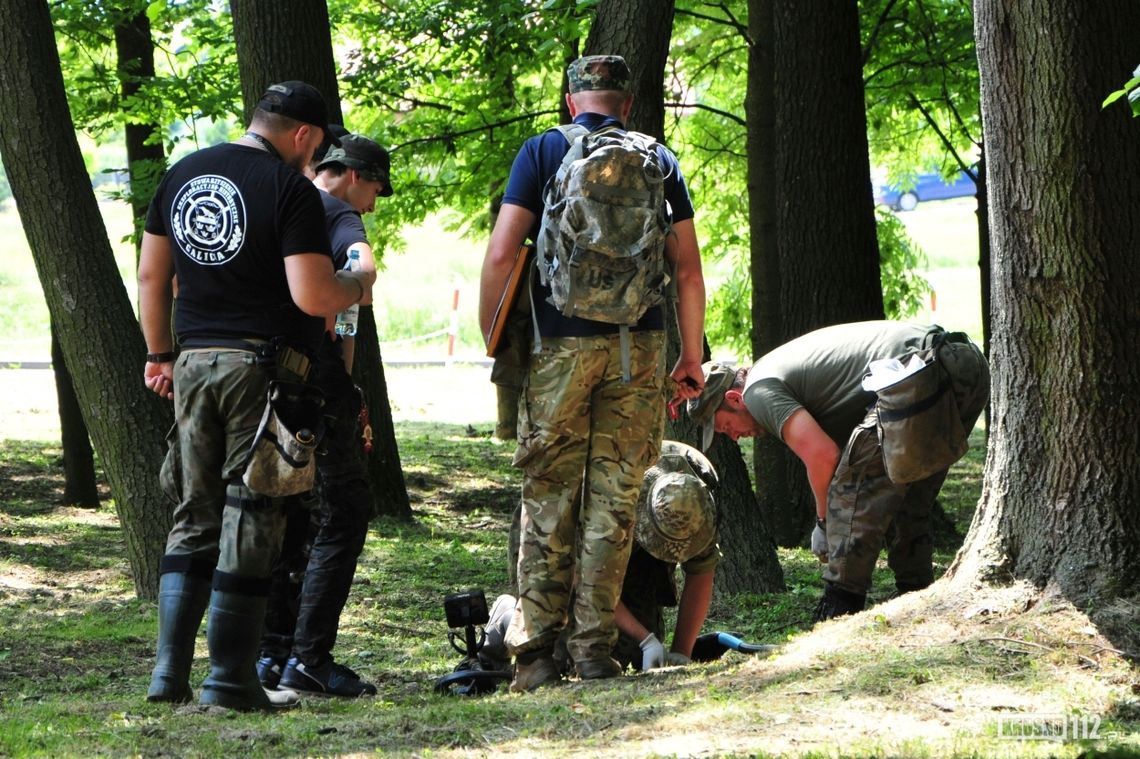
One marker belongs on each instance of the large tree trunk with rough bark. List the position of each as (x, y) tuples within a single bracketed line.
[(1062, 480), (98, 334), (291, 39), (639, 31), (827, 268)]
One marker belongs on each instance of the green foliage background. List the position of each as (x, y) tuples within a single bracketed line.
[(453, 87)]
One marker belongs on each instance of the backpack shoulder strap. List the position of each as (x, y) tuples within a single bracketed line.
[(571, 131)]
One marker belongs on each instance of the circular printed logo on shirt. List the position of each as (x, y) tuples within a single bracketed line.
[(208, 220)]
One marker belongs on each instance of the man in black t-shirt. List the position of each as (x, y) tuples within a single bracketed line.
[(311, 587), (241, 229)]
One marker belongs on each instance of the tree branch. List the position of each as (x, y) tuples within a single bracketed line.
[(702, 107)]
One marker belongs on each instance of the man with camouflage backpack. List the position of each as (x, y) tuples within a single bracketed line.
[(592, 409)]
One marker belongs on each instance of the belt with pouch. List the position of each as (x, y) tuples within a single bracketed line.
[(273, 353)]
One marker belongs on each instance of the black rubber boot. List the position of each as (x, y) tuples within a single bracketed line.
[(908, 587), (837, 602), (233, 632), (182, 601)]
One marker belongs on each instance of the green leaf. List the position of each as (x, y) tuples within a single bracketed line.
[(155, 9), (1113, 97)]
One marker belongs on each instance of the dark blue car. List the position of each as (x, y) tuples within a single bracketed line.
[(926, 187)]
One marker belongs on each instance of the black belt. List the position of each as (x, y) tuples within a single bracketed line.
[(268, 352)]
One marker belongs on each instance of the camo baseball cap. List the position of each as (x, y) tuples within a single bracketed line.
[(676, 513), (702, 410), (598, 72), (358, 152)]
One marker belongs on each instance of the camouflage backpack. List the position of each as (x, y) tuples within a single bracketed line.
[(601, 247)]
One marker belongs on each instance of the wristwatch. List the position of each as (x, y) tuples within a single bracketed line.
[(161, 358)]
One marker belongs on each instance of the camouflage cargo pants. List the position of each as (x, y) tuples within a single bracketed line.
[(585, 441), (219, 397), (862, 502)]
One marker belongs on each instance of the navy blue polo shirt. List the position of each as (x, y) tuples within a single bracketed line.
[(537, 161)]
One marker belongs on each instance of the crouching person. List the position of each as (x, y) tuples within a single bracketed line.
[(676, 524)]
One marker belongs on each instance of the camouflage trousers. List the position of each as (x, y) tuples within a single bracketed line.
[(863, 503), (219, 397), (585, 441)]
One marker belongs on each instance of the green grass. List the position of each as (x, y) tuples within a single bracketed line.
[(77, 647)]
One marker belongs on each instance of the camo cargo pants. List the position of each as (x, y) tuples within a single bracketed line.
[(862, 502), (219, 397), (585, 441)]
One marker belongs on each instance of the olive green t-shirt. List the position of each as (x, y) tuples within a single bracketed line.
[(822, 372)]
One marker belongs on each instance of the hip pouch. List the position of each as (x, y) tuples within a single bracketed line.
[(282, 459), (920, 429)]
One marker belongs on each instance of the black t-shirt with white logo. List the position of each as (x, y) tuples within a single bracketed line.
[(232, 214)]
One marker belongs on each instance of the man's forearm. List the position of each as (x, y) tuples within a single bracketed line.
[(691, 317), (691, 612)]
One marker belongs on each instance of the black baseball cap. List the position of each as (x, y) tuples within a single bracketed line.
[(358, 152), (335, 130), (299, 101)]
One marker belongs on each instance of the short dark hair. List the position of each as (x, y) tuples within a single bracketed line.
[(274, 123)]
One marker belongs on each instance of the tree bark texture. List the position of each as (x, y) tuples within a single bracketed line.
[(829, 253), (385, 473), (1062, 480), (760, 112), (827, 271), (281, 41), (284, 40), (639, 31), (79, 486), (98, 334), (775, 468), (145, 158)]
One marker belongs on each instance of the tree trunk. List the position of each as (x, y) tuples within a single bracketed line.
[(385, 474), (1062, 479), (985, 265), (828, 252), (79, 488), (639, 31), (98, 333), (283, 40), (145, 158), (292, 39)]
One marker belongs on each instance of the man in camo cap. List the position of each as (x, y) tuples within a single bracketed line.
[(585, 435)]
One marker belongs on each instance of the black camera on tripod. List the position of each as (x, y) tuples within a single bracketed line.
[(464, 612)]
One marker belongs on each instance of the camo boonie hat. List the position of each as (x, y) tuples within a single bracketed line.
[(676, 514), (718, 378), (598, 72)]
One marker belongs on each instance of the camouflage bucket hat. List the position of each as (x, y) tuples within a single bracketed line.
[(676, 514), (598, 72), (718, 378)]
